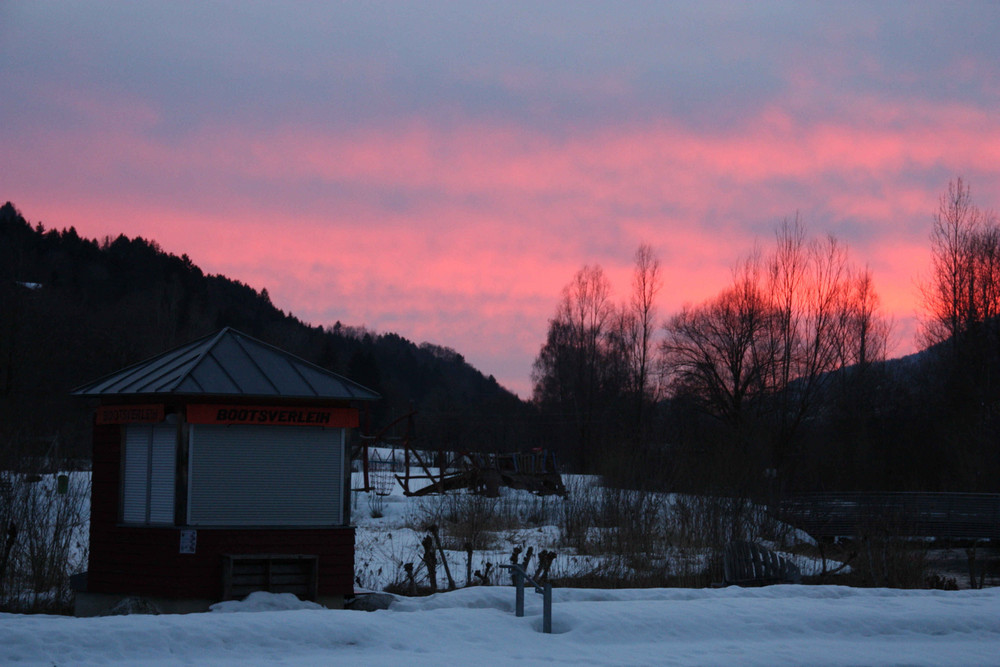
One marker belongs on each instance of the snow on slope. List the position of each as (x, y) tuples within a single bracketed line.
[(792, 625)]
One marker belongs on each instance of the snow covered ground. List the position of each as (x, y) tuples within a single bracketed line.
[(390, 530), (777, 625), (790, 625)]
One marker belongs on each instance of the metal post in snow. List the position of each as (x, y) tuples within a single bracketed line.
[(520, 577), (547, 608), (519, 595)]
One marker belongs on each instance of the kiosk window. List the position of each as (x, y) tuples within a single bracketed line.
[(150, 464)]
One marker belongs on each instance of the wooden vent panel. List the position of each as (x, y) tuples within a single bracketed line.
[(274, 573)]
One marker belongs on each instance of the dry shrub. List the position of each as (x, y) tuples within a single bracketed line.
[(637, 532), (890, 562), (577, 513), (626, 530), (50, 543), (463, 518), (883, 558), (708, 523), (886, 560)]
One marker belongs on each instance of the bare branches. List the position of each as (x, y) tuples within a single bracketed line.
[(721, 352), (963, 291), (866, 331), (766, 345), (646, 284), (594, 370)]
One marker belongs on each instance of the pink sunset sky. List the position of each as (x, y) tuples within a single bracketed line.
[(441, 169)]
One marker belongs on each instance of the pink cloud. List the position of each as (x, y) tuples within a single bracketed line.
[(465, 235)]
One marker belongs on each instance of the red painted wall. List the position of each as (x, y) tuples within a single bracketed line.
[(147, 560)]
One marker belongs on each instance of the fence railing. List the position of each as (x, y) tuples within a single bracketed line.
[(969, 516)]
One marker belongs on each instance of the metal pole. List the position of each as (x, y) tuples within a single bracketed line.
[(547, 609), (519, 598)]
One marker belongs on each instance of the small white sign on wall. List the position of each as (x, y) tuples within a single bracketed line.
[(189, 541)]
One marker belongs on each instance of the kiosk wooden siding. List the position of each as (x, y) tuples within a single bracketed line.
[(228, 378)]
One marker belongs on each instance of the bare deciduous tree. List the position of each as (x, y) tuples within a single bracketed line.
[(594, 370), (762, 352), (962, 309), (963, 289), (866, 337), (570, 368), (646, 284), (721, 352)]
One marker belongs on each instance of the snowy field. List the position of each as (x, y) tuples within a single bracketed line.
[(390, 530), (777, 625)]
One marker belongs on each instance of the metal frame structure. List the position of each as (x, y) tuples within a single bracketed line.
[(520, 578)]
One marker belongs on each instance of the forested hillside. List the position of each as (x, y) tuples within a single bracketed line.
[(606, 398), (74, 309)]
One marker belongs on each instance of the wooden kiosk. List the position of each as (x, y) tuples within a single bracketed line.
[(220, 468)]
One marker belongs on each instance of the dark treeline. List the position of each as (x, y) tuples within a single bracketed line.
[(74, 309), (781, 383)]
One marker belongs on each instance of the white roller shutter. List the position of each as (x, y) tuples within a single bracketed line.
[(135, 479), (148, 479), (250, 475)]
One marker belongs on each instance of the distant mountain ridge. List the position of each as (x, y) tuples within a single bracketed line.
[(75, 309)]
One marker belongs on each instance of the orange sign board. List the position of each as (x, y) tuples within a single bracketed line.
[(270, 415), (129, 414)]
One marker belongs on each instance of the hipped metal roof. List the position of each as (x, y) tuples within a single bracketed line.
[(228, 364)]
